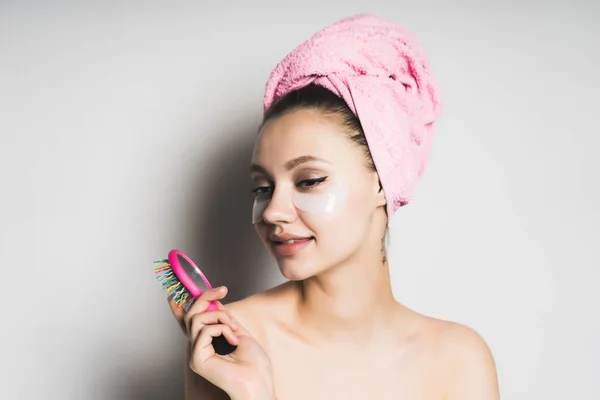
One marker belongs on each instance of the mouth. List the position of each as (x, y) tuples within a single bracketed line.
[(292, 247)]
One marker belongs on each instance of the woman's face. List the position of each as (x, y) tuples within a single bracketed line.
[(312, 186)]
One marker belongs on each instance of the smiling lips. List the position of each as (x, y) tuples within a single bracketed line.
[(287, 245)]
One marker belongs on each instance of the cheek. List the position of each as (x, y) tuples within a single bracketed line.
[(262, 231), (321, 211), (320, 205), (324, 204), (341, 230)]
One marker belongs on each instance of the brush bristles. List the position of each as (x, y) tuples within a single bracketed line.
[(171, 285)]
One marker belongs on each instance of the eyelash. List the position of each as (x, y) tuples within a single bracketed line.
[(306, 184)]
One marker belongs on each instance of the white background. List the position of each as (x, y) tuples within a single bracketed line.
[(126, 130)]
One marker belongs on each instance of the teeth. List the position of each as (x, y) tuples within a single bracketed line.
[(294, 241)]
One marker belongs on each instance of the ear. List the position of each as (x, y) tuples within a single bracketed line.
[(378, 190)]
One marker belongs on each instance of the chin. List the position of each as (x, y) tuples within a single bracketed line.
[(293, 270)]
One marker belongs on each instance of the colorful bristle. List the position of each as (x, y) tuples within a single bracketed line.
[(171, 285)]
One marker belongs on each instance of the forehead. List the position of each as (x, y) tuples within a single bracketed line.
[(301, 133)]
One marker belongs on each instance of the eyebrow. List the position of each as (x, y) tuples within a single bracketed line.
[(290, 165)]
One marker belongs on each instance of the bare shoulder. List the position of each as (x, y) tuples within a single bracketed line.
[(456, 339), (253, 312), (466, 361)]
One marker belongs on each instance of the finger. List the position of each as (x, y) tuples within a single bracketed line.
[(200, 320), (203, 349), (211, 331), (221, 307), (212, 295), (226, 309), (202, 302), (240, 331)]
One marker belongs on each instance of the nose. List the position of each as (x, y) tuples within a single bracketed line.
[(280, 208)]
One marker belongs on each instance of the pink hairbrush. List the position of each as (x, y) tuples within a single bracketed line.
[(181, 278)]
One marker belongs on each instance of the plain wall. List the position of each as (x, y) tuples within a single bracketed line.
[(126, 130)]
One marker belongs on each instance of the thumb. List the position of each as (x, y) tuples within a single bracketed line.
[(249, 350)]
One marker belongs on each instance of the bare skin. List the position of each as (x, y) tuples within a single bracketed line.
[(334, 330)]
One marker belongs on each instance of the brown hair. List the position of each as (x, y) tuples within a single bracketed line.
[(318, 98)]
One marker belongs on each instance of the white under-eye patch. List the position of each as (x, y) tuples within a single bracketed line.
[(327, 202), (258, 208)]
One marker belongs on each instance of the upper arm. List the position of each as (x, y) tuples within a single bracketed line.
[(471, 370)]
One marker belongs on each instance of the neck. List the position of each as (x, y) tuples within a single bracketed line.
[(350, 301)]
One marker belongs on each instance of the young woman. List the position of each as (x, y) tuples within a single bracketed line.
[(348, 120)]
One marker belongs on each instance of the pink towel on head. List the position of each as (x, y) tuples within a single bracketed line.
[(382, 73)]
